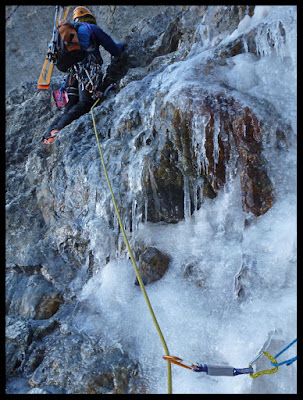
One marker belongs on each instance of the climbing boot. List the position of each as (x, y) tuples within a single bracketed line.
[(51, 138)]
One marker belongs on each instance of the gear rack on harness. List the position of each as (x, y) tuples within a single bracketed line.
[(88, 72)]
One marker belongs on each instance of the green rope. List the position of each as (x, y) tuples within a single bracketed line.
[(133, 259)]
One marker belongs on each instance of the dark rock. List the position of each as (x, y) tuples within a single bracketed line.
[(31, 296), (152, 265), (91, 370), (257, 189), (18, 336), (164, 187)]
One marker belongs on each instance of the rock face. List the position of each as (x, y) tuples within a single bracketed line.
[(36, 298), (172, 136)]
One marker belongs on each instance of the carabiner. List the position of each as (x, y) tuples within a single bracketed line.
[(180, 362), (266, 371)]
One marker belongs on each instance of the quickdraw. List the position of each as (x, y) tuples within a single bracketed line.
[(214, 370)]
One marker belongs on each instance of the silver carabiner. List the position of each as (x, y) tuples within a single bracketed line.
[(256, 358)]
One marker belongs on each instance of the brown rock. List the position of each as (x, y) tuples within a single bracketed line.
[(152, 265)]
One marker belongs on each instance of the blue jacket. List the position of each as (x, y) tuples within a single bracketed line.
[(91, 44)]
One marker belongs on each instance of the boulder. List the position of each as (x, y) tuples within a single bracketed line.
[(153, 264)]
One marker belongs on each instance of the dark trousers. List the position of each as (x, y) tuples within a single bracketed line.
[(79, 103)]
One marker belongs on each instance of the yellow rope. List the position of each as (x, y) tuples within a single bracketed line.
[(169, 378)]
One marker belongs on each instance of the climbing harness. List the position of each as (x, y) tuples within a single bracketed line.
[(89, 75), (169, 378), (214, 370)]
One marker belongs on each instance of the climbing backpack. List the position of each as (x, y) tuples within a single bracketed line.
[(67, 47)]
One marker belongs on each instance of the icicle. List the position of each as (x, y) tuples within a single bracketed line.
[(272, 37), (134, 215), (145, 209), (187, 205), (231, 165), (139, 214), (199, 138), (244, 130), (245, 46), (127, 222), (195, 191), (198, 193), (216, 141), (203, 137)]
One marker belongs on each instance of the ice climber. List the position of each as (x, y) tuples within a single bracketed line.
[(81, 100)]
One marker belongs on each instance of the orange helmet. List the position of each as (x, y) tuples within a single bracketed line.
[(81, 12)]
